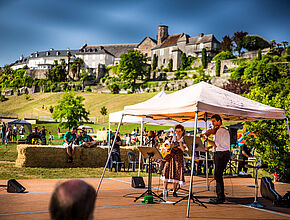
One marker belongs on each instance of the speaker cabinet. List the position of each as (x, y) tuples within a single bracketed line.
[(138, 182), (14, 187)]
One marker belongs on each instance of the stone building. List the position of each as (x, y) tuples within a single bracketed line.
[(171, 46), (146, 46)]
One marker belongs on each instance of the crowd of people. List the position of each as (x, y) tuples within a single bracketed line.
[(9, 133)]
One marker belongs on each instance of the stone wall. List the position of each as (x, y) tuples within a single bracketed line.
[(56, 156)]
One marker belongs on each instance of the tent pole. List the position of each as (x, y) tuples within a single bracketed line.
[(109, 155), (206, 154), (287, 126), (192, 165), (109, 137), (141, 143)]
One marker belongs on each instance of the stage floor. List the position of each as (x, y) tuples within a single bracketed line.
[(115, 201)]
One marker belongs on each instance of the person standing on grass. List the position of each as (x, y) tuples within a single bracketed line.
[(68, 143), (3, 133)]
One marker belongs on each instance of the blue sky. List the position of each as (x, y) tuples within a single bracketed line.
[(27, 26)]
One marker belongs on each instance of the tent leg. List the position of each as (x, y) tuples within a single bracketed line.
[(141, 143), (192, 165), (109, 155), (206, 156), (287, 126)]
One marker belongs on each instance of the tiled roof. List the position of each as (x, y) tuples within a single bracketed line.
[(53, 53), (170, 41), (93, 50), (203, 39), (115, 49)]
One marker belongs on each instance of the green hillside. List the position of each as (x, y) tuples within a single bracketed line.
[(93, 102)]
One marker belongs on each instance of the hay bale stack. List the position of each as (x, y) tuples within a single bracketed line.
[(55, 156)]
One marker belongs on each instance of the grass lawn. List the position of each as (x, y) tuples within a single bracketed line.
[(93, 102), (8, 155)]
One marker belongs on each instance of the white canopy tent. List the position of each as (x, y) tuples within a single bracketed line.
[(200, 102), (116, 117)]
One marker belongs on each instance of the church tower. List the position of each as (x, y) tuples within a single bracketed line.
[(162, 33)]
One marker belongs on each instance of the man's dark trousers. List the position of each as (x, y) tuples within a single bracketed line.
[(221, 158)]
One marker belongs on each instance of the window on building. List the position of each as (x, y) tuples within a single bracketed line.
[(170, 50), (200, 46), (161, 52), (215, 45)]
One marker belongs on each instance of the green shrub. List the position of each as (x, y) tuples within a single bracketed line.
[(254, 42), (287, 57), (218, 68), (88, 89), (170, 65), (259, 54), (203, 58), (18, 92), (276, 58), (288, 50), (51, 109), (224, 55), (3, 98), (114, 88)]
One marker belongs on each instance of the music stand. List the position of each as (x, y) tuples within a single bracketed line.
[(188, 140), (150, 153)]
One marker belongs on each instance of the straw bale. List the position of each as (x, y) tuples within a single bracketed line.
[(56, 156)]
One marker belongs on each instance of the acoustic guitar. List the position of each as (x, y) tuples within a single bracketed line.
[(166, 151)]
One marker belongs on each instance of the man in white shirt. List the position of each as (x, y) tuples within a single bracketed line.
[(221, 149)]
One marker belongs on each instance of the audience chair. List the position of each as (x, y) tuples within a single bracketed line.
[(116, 163), (132, 161)]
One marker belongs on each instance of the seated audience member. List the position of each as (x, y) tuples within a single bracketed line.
[(116, 147), (86, 140), (245, 153), (73, 199), (68, 143)]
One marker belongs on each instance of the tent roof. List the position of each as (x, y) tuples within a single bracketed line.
[(116, 117), (207, 100), (19, 121), (85, 127), (22, 122)]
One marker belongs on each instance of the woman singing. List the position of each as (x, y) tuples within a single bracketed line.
[(173, 170)]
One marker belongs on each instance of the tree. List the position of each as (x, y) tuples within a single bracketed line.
[(254, 42), (104, 111), (226, 44), (76, 67), (170, 65), (218, 68), (68, 54), (70, 111), (154, 62), (269, 84), (285, 44), (259, 54), (132, 65), (51, 109), (57, 74), (238, 39), (203, 58), (183, 63)]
